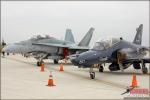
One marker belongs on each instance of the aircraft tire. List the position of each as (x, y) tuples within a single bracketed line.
[(7, 54), (145, 70), (101, 69), (38, 63), (41, 62), (79, 66), (92, 75), (55, 61)]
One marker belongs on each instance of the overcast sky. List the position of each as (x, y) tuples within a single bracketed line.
[(22, 20)]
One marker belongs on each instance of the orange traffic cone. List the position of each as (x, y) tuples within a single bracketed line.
[(50, 81), (61, 67), (134, 81), (42, 67)]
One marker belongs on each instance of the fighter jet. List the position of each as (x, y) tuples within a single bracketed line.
[(50, 47), (116, 51)]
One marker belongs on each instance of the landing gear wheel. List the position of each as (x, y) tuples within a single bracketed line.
[(55, 61), (144, 70), (92, 75), (7, 54), (101, 69), (79, 66), (39, 63)]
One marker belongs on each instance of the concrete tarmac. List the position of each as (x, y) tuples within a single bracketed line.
[(22, 79)]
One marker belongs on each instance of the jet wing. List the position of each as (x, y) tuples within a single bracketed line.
[(62, 46), (51, 45)]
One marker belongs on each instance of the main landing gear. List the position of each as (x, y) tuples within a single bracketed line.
[(7, 54), (101, 68), (92, 73), (39, 63), (55, 61)]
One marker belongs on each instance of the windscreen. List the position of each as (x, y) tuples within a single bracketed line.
[(105, 44)]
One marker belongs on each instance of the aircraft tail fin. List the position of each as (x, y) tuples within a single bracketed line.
[(69, 36), (87, 38), (138, 36)]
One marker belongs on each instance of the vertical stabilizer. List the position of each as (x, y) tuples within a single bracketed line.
[(87, 38), (69, 36), (138, 36)]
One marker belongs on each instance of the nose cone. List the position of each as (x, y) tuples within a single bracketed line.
[(84, 59), (10, 48), (74, 59), (5, 49)]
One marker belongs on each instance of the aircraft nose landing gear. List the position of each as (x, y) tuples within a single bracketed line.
[(92, 73)]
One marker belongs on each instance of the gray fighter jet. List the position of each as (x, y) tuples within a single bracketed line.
[(50, 47), (118, 52)]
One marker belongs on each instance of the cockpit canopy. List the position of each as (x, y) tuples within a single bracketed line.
[(38, 37), (104, 44)]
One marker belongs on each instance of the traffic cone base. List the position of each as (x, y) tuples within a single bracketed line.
[(134, 86), (51, 85)]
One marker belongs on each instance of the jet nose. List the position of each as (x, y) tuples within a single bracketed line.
[(74, 59), (9, 48), (5, 49), (83, 59), (77, 61), (71, 57)]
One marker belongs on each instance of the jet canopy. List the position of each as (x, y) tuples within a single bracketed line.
[(39, 37), (104, 44)]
